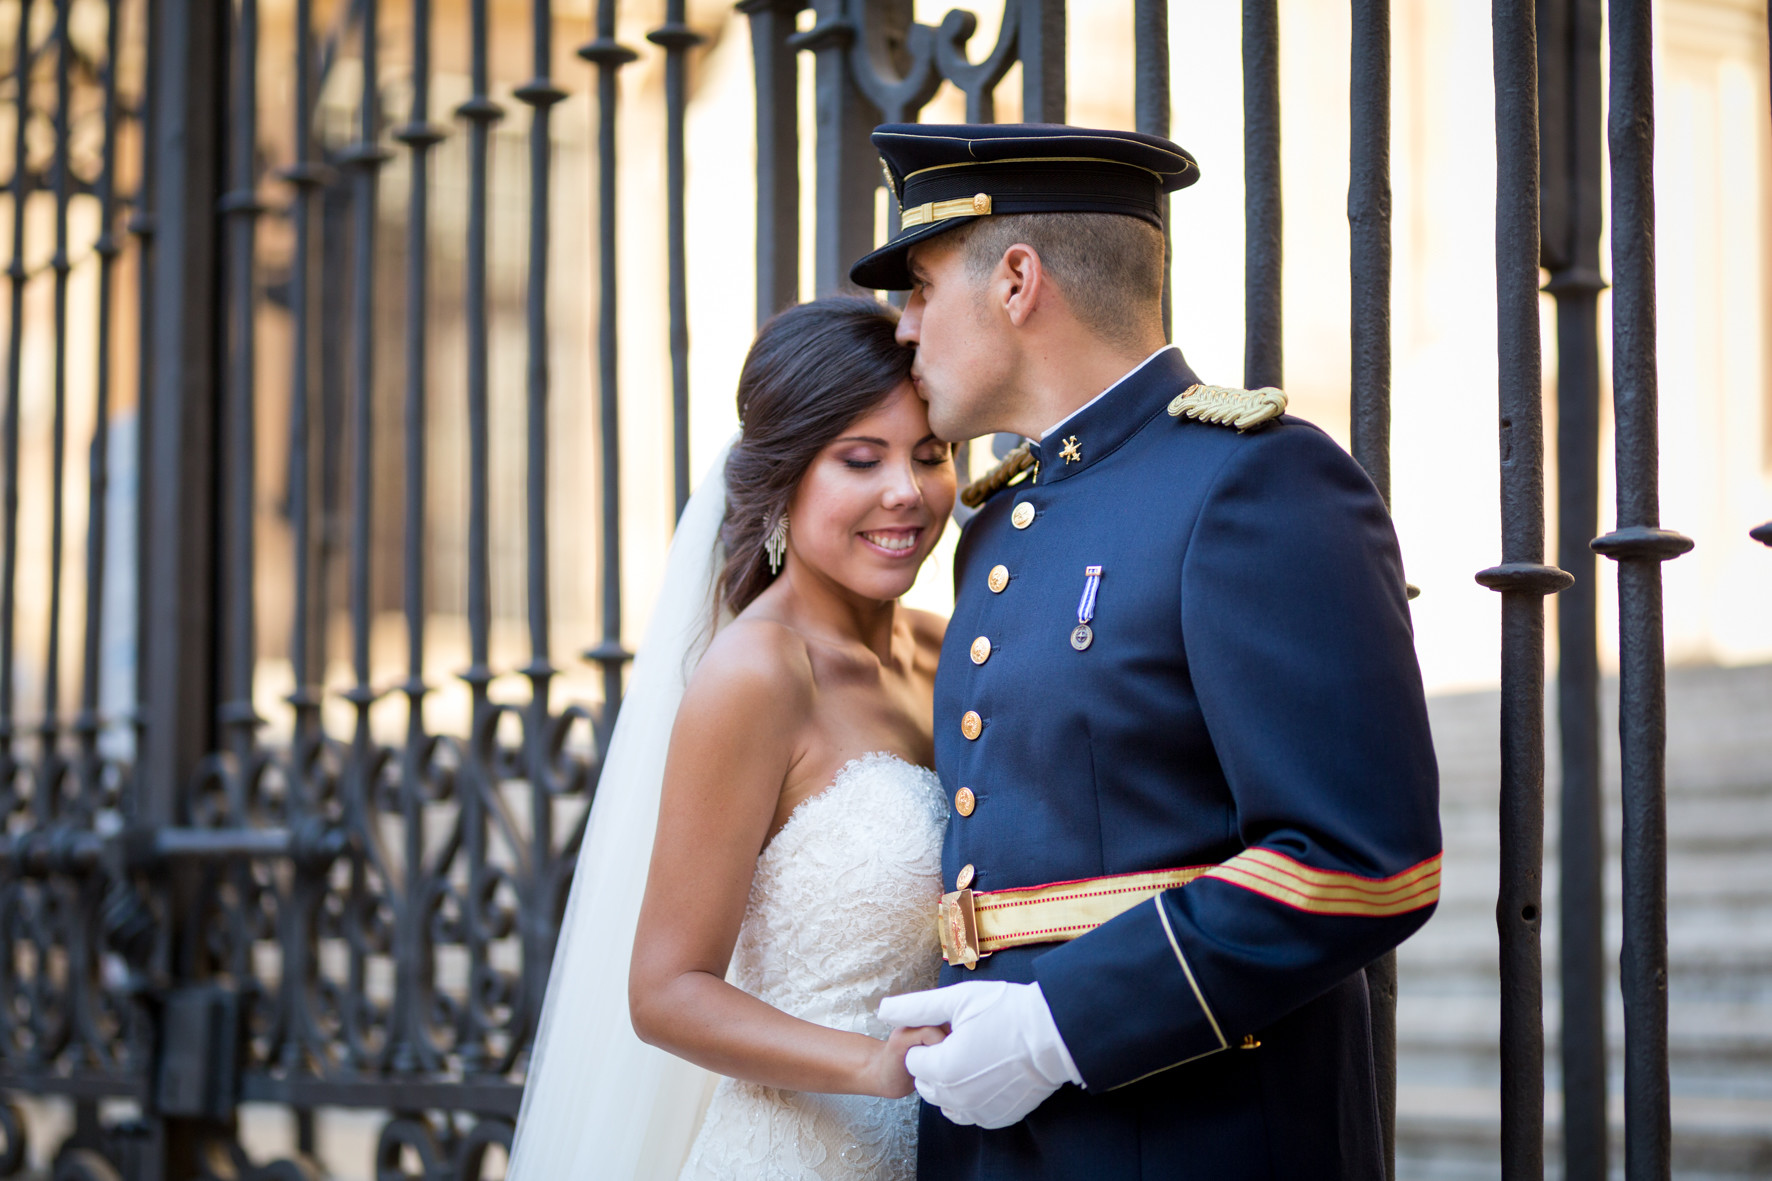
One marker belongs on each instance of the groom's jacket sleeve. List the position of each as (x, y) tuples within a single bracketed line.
[(1298, 641)]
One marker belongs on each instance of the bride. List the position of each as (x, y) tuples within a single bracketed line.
[(794, 826)]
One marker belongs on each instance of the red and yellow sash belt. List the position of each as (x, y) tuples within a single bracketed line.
[(973, 924)]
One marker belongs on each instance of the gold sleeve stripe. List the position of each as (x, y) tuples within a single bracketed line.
[(1323, 891)]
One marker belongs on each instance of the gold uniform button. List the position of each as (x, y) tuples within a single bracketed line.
[(999, 579), (981, 649), (1023, 516), (965, 801), (971, 725), (967, 873)]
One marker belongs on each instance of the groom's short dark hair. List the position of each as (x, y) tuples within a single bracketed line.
[(1109, 267)]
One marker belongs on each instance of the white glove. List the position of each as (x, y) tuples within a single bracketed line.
[(1002, 1059)]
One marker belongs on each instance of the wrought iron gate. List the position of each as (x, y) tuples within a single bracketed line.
[(198, 916)]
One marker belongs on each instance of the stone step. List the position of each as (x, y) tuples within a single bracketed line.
[(1452, 1133), (1719, 819)]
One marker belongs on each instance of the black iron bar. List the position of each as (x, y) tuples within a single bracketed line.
[(480, 112), (540, 94), (609, 56), (19, 191), (1041, 34), (240, 207), (297, 916), (180, 584), (364, 157), (677, 39), (141, 227), (1262, 353), (409, 1052), (1639, 545), (49, 729), (1369, 229), (1369, 274), (778, 153), (305, 175), (848, 168), (1524, 580), (107, 248), (1150, 37), (1569, 127)]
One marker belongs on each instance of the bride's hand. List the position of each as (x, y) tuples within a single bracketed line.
[(887, 1076)]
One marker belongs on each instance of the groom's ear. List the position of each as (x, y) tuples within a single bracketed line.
[(1022, 280)]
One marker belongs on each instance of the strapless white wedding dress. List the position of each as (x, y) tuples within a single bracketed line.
[(841, 914)]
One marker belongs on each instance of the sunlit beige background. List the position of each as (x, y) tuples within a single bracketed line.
[(1713, 200)]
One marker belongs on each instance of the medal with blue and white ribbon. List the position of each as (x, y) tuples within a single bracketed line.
[(1083, 635)]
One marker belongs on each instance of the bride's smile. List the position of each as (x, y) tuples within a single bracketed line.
[(897, 543)]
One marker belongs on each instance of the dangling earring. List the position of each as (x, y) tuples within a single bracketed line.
[(776, 545)]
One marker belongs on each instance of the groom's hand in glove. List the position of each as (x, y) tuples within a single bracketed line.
[(1002, 1059)]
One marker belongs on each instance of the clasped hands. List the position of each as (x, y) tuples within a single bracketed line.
[(1002, 1057)]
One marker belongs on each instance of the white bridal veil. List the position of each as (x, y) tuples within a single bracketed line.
[(599, 1102)]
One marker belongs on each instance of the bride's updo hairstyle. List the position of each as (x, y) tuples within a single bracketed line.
[(813, 369)]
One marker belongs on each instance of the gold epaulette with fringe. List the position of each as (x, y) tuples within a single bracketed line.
[(1229, 406), (994, 481)]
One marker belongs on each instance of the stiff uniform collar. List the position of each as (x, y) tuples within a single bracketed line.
[(1098, 429)]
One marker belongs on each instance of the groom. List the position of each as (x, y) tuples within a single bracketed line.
[(1178, 716)]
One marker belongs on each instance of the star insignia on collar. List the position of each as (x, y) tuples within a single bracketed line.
[(1070, 453)]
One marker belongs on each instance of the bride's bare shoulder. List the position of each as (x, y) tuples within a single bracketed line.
[(754, 667), (928, 629)]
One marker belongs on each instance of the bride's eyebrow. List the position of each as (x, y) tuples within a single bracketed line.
[(928, 438)]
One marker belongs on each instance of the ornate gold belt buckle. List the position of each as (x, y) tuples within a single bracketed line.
[(958, 921)]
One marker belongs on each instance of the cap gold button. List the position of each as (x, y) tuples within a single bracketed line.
[(999, 579), (967, 873), (971, 725), (981, 649), (1023, 516), (965, 801)]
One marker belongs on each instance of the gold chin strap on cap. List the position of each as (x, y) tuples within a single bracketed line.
[(977, 205)]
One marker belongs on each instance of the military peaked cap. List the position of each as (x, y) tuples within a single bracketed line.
[(948, 175)]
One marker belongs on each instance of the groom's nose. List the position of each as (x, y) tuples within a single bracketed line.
[(910, 321)]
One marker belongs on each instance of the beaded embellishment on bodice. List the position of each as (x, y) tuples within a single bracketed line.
[(841, 914)]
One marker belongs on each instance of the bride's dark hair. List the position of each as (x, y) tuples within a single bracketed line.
[(813, 369)]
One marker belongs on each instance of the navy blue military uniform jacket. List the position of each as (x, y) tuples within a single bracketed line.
[(1251, 703)]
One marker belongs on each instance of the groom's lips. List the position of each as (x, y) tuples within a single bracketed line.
[(902, 543)]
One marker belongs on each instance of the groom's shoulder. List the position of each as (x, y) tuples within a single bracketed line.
[(1185, 453)]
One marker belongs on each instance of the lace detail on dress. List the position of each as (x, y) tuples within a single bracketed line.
[(841, 914)]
